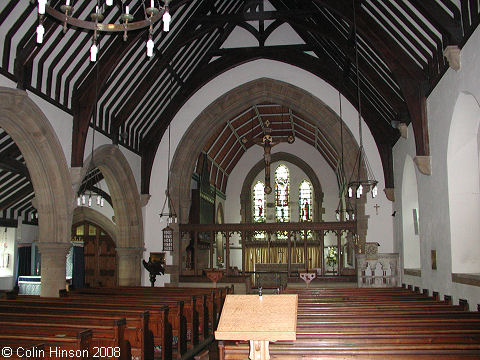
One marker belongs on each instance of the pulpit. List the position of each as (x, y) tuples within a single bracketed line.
[(258, 319)]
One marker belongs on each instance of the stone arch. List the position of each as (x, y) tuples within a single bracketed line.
[(464, 184), (235, 101), (411, 237), (245, 195), (232, 103), (82, 213), (126, 206), (23, 120)]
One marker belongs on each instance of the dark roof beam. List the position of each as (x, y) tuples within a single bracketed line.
[(14, 166), (451, 27)]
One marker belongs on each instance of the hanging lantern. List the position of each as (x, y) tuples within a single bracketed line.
[(167, 239)]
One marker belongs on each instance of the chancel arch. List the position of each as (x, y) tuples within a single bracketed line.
[(410, 216), (54, 199), (464, 185), (126, 206), (229, 106)]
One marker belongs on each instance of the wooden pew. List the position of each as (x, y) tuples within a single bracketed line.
[(136, 333), (215, 297), (374, 324), (65, 345), (107, 333), (23, 349), (165, 321), (182, 312)]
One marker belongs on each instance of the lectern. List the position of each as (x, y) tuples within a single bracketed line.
[(259, 319)]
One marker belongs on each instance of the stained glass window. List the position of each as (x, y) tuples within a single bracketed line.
[(282, 185), (305, 201), (259, 202)]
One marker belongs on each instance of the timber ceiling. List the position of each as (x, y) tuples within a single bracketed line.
[(228, 144), (400, 60)]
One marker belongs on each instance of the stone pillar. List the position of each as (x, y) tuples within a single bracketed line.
[(129, 266), (53, 258)]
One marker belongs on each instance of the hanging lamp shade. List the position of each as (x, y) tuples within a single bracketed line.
[(167, 238)]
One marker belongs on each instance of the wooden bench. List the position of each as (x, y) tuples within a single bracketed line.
[(373, 324), (107, 333), (136, 332), (23, 349), (64, 345)]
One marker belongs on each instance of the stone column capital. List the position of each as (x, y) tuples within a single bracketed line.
[(53, 248), (424, 164), (390, 194), (403, 128), (452, 53), (144, 199)]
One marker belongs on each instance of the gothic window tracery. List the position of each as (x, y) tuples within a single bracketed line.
[(282, 185), (259, 202), (305, 201)]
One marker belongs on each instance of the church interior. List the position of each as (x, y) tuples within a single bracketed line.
[(164, 149)]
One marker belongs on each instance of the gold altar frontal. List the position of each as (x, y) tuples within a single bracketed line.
[(259, 320)]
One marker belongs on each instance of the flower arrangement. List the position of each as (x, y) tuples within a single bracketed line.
[(331, 256)]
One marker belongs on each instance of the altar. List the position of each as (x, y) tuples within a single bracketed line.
[(274, 275)]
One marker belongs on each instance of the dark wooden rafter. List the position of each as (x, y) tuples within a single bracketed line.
[(14, 197), (189, 33), (448, 26), (236, 57), (407, 73), (14, 166), (401, 60), (85, 96)]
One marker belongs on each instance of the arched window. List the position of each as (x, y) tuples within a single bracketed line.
[(259, 202), (305, 201), (282, 185)]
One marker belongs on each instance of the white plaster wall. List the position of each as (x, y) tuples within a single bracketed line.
[(411, 241), (7, 273), (433, 190)]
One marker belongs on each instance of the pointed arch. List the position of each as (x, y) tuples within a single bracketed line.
[(126, 206), (464, 184)]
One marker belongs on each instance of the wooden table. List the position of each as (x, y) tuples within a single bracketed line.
[(258, 319)]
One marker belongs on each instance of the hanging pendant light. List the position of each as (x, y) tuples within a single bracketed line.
[(171, 216), (344, 209), (358, 179)]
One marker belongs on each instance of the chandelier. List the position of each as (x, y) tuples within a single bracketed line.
[(88, 193), (358, 181), (153, 13)]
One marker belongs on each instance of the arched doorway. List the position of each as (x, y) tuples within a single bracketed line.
[(99, 254)]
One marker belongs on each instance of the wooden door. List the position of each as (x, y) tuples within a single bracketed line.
[(100, 256)]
